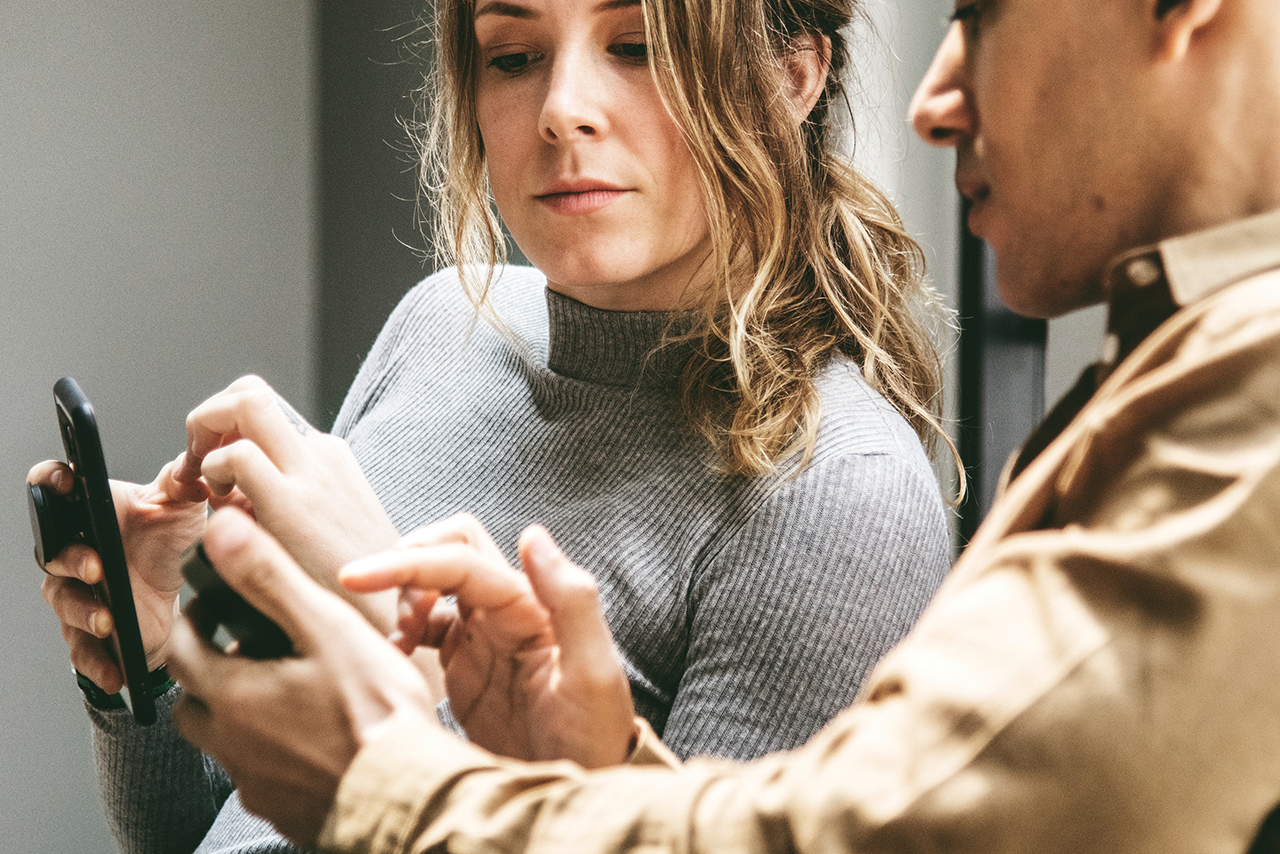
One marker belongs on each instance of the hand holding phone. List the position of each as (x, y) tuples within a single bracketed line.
[(87, 514)]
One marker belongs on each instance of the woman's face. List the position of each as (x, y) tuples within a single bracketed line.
[(589, 171)]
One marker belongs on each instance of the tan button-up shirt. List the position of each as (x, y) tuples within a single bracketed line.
[(1101, 672)]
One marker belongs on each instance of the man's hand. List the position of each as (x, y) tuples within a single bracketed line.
[(287, 730), (530, 666), (158, 521), (255, 452)]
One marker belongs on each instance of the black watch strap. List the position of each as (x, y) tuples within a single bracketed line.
[(158, 679)]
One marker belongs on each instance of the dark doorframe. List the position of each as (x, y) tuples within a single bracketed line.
[(372, 56), (1001, 395)]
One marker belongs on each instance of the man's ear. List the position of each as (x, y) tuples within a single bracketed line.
[(1178, 22), (807, 68)]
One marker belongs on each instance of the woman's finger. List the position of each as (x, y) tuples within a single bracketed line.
[(76, 561), (459, 528), (75, 606), (188, 488), (89, 657), (244, 465), (455, 569), (53, 474), (571, 596), (252, 410)]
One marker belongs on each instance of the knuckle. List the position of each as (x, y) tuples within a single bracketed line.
[(238, 452), (468, 526), (48, 590), (258, 396), (248, 381)]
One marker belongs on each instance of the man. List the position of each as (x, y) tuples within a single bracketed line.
[(1102, 670)]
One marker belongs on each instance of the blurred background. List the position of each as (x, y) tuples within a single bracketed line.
[(190, 192)]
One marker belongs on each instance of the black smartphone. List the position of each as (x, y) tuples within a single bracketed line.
[(218, 607), (88, 515)]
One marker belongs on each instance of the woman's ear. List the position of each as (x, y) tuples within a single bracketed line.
[(807, 67), (1178, 22)]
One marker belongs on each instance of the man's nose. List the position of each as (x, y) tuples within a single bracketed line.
[(942, 109)]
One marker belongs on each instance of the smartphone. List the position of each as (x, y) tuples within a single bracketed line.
[(88, 515), (217, 608)]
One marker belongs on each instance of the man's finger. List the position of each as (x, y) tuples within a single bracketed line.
[(569, 593), (193, 719), (195, 662), (455, 569), (253, 563)]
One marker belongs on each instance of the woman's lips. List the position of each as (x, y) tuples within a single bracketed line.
[(580, 202)]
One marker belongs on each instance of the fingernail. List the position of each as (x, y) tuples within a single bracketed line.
[(230, 528), (542, 548), (58, 480), (101, 624)]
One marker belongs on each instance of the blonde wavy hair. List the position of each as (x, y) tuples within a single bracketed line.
[(809, 259)]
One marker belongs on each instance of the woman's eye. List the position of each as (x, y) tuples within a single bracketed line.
[(513, 63), (637, 52)]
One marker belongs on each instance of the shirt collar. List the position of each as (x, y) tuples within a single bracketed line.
[(1147, 285)]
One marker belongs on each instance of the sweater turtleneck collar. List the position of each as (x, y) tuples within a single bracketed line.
[(615, 348)]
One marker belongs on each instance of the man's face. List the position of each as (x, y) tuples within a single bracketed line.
[(1049, 104)]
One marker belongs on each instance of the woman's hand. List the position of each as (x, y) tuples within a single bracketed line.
[(529, 663), (254, 451), (158, 521)]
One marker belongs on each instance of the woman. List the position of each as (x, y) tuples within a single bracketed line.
[(706, 387)]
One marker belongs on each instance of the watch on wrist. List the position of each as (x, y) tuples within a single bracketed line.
[(157, 679)]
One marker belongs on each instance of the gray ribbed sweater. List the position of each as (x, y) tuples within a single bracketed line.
[(747, 611)]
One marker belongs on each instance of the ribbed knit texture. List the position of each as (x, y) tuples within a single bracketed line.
[(747, 611)]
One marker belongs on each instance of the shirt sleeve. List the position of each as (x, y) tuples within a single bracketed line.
[(791, 614), (1100, 672)]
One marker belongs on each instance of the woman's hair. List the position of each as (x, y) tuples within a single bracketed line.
[(808, 257)]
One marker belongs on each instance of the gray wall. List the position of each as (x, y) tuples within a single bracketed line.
[(372, 58), (1074, 342), (156, 241)]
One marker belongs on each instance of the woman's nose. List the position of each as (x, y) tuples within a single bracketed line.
[(573, 108), (942, 110)]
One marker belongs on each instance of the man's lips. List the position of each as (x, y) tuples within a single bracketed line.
[(972, 187), (977, 191)]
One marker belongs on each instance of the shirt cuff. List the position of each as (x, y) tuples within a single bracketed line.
[(383, 795), (650, 750)]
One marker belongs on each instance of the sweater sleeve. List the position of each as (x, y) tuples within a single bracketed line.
[(160, 794), (791, 614)]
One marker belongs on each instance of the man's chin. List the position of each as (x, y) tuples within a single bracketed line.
[(1043, 293)]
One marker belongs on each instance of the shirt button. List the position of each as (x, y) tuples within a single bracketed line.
[(1142, 272), (1110, 349)]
